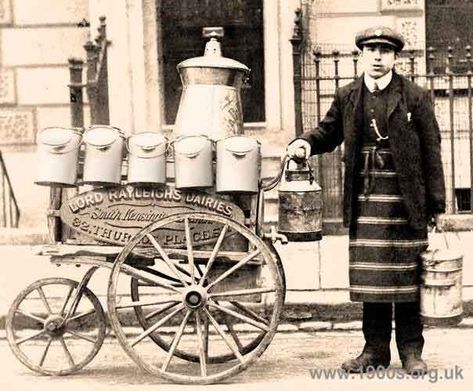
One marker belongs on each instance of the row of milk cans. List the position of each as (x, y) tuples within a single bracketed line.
[(238, 159)]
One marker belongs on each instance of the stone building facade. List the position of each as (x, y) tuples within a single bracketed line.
[(38, 36)]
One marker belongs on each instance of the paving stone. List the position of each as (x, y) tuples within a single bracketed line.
[(287, 328), (356, 325), (466, 322), (315, 326)]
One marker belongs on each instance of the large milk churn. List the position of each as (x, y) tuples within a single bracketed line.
[(58, 154), (441, 287), (238, 165), (210, 102), (146, 158), (103, 155), (193, 166), (300, 203)]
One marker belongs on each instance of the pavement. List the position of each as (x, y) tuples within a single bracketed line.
[(293, 361)]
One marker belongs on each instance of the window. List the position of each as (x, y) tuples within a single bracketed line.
[(181, 34), (448, 23)]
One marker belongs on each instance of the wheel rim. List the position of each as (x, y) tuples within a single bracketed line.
[(213, 350), (59, 340)]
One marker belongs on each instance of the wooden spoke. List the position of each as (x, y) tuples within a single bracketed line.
[(229, 343), (242, 292), (43, 299), (161, 310), (201, 341), (166, 259), (22, 340), (175, 342), (81, 336), (68, 353), (190, 254), (214, 253), (148, 303), (249, 312), (235, 267), (46, 349), (205, 336), (66, 300), (156, 326), (31, 316), (233, 333), (141, 275), (82, 315), (244, 318)]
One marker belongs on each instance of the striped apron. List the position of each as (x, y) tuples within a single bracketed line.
[(384, 250)]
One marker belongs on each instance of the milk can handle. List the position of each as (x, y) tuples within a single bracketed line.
[(304, 161), (435, 229)]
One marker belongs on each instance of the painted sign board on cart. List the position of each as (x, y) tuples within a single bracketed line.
[(114, 215)]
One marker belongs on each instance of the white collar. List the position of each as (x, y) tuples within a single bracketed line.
[(382, 82)]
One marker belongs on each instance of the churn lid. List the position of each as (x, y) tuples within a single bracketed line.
[(240, 144), (100, 136), (213, 58), (56, 137), (190, 145), (146, 143)]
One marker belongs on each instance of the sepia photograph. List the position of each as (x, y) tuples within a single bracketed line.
[(236, 194)]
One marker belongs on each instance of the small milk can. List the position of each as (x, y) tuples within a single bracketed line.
[(147, 158), (58, 154), (300, 203), (103, 155), (238, 165), (210, 102), (193, 162), (441, 287)]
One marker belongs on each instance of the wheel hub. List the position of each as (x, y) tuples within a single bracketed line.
[(54, 325), (195, 297)]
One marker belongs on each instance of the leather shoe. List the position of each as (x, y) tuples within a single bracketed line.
[(414, 365), (364, 361)]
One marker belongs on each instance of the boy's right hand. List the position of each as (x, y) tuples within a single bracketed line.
[(298, 149)]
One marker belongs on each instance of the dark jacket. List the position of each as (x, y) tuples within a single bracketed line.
[(414, 141)]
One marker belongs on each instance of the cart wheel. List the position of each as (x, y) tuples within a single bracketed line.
[(162, 343), (223, 306), (49, 336)]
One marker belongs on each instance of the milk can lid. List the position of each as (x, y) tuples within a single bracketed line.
[(213, 59), (240, 144), (146, 142), (441, 255), (102, 135), (190, 145), (56, 136)]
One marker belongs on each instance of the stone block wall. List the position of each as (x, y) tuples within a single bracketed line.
[(36, 39)]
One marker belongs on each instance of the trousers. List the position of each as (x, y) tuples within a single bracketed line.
[(377, 328)]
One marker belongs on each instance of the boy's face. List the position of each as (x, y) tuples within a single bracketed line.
[(378, 59)]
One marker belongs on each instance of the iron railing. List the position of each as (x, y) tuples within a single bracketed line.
[(9, 210)]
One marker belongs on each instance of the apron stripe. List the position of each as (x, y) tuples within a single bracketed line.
[(381, 220), (380, 198), (384, 289), (383, 266), (387, 243)]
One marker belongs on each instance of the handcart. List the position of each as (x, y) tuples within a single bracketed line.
[(196, 287)]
